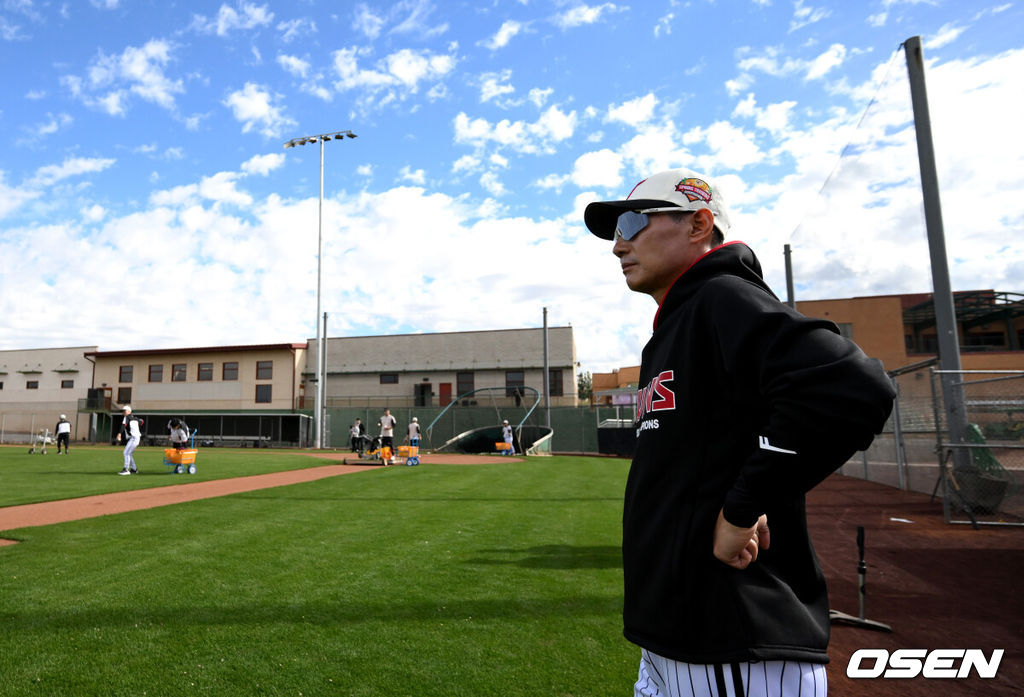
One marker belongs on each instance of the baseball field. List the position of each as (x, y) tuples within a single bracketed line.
[(498, 579), (501, 578)]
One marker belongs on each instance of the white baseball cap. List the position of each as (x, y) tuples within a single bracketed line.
[(682, 188)]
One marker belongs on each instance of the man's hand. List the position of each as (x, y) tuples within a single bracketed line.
[(738, 547)]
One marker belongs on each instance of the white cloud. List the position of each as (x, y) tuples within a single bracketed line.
[(228, 19), (553, 126), (505, 33), (664, 25), (256, 108), (295, 29), (393, 78), (771, 61), (730, 147), (539, 97), (417, 176), (947, 34), (466, 163), (805, 16), (494, 85), (94, 213), (294, 65), (490, 183), (222, 188), (366, 22), (138, 71), (416, 15), (831, 58), (602, 168), (635, 111), (13, 198), (53, 124), (582, 14), (263, 164), (49, 175), (412, 67)]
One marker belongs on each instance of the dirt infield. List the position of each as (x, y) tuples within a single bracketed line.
[(938, 586)]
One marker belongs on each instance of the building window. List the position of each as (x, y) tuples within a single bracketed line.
[(124, 395), (463, 382), (156, 373), (32, 385), (178, 372), (205, 372), (845, 330), (230, 371), (264, 370), (67, 384), (389, 378), (125, 373), (264, 394), (514, 383), (555, 382)]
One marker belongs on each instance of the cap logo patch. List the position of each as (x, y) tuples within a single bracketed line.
[(695, 190)]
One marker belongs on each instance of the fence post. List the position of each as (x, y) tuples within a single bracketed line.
[(897, 434)]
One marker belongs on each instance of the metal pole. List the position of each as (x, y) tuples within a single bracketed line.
[(318, 440), (547, 375), (790, 296), (320, 387), (322, 382), (945, 312), (897, 434)]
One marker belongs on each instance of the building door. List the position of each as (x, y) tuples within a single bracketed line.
[(446, 394), (423, 393)]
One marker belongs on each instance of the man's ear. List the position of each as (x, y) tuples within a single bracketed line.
[(703, 224)]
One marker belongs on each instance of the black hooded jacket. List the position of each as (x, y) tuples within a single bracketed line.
[(744, 404)]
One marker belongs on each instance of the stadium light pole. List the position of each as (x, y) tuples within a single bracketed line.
[(318, 419)]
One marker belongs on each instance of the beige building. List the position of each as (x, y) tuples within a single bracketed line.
[(38, 385), (222, 378), (434, 369)]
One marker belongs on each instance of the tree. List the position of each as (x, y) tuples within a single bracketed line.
[(584, 385)]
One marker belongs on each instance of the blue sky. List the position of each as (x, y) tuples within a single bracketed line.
[(147, 201)]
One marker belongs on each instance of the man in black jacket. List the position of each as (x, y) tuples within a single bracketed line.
[(744, 405)]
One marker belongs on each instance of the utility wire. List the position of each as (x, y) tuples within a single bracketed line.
[(846, 148)]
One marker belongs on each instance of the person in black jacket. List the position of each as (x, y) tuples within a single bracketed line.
[(743, 406)]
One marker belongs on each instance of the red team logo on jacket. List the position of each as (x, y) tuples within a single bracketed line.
[(656, 396)]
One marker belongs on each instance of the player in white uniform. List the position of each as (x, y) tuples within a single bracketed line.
[(506, 435), (413, 438), (131, 433), (387, 425)]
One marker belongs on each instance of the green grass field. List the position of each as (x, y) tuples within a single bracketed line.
[(90, 470), (498, 579)]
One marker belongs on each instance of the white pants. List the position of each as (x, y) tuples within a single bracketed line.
[(129, 448), (663, 677)]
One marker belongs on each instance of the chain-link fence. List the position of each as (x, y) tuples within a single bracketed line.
[(981, 478), (979, 481)]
